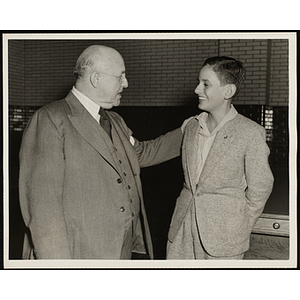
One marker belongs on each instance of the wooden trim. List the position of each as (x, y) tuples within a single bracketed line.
[(272, 224)]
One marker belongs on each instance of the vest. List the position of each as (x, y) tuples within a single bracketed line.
[(133, 233)]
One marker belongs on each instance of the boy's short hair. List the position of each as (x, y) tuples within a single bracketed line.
[(228, 70)]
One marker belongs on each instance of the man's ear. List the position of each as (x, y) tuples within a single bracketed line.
[(230, 91), (95, 79)]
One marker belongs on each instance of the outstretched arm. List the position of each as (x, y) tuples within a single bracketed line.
[(161, 149)]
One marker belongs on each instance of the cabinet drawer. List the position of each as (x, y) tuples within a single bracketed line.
[(272, 224)]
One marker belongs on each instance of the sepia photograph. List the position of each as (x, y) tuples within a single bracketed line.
[(150, 150)]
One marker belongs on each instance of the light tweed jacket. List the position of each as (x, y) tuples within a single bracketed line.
[(234, 185)]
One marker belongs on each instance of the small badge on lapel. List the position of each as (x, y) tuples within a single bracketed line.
[(226, 137)]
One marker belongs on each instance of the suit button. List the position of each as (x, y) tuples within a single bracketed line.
[(124, 174), (132, 214), (120, 161), (130, 200), (122, 208), (119, 180), (129, 187)]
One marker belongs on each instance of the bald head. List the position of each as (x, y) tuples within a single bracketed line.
[(100, 75), (96, 57)]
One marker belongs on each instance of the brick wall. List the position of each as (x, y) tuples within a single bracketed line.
[(279, 73), (160, 72), (16, 79), (253, 53)]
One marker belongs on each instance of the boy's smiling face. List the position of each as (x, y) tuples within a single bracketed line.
[(210, 91)]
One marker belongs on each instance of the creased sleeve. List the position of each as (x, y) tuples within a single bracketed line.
[(159, 150), (259, 176), (41, 186)]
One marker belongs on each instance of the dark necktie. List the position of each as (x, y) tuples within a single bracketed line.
[(104, 121)]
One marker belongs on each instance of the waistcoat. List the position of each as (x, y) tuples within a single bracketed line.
[(131, 202)]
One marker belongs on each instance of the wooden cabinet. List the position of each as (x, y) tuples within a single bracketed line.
[(270, 238)]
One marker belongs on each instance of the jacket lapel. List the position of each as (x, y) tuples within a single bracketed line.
[(192, 131), (90, 130), (224, 137)]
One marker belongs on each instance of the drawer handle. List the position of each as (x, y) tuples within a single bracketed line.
[(276, 225)]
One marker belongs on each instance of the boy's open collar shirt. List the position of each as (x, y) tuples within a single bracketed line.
[(206, 139)]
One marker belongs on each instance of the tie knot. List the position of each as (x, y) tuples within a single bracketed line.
[(104, 121), (102, 113)]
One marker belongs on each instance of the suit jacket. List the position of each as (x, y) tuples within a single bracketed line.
[(70, 192), (233, 188)]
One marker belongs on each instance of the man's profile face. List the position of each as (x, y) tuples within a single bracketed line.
[(112, 83)]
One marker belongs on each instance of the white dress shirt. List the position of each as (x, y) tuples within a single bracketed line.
[(92, 107)]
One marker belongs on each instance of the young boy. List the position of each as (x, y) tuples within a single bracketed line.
[(227, 176)]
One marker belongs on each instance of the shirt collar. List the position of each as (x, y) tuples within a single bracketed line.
[(89, 104), (203, 116)]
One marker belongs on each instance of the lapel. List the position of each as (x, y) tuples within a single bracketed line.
[(224, 137), (90, 130), (191, 138)]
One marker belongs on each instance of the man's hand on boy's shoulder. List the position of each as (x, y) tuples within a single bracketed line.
[(185, 123)]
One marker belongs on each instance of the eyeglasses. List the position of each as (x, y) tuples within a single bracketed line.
[(122, 77)]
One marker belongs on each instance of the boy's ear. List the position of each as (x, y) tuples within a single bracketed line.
[(230, 91)]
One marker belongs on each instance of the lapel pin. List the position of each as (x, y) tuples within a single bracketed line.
[(225, 136)]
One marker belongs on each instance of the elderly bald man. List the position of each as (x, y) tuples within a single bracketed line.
[(80, 188)]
